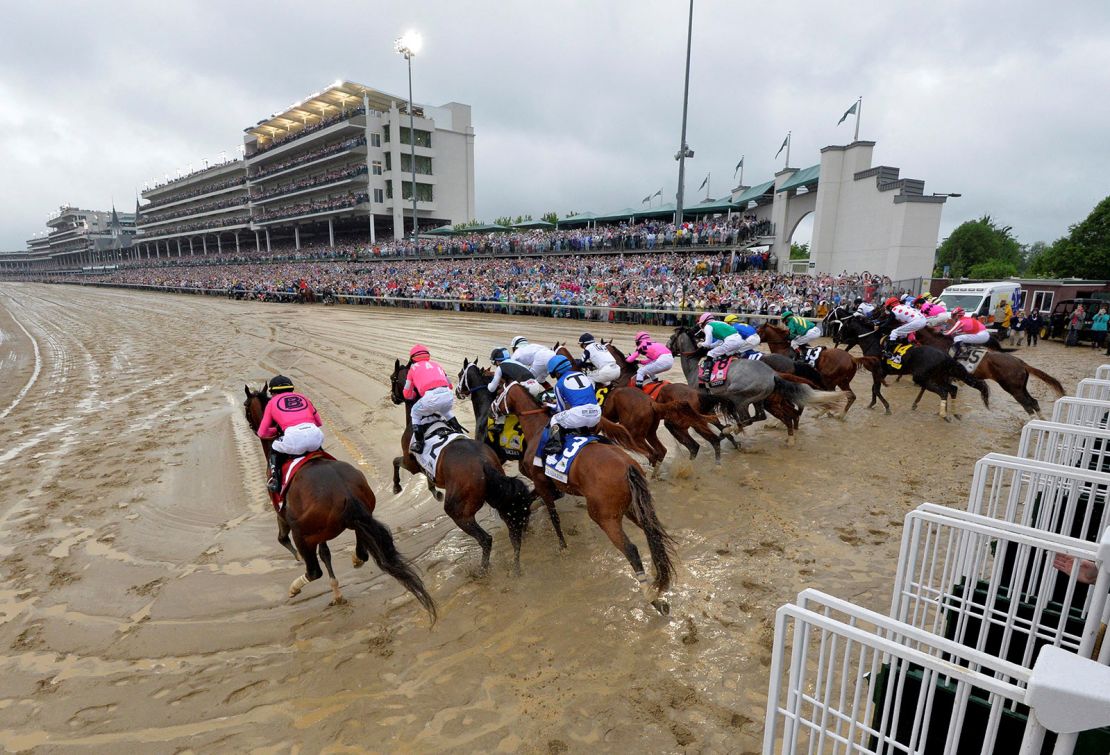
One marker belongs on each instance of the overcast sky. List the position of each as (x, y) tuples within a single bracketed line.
[(576, 105)]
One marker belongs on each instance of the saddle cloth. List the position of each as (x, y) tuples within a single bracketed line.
[(811, 355), (436, 438), (557, 467), (508, 436), (894, 361), (602, 392), (970, 356), (652, 389), (753, 356), (716, 374), (289, 470)]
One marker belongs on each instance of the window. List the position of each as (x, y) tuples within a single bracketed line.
[(389, 190), (376, 167), (385, 134), (375, 140), (379, 196), (1042, 301), (389, 161), (423, 164), (423, 192), (423, 138)]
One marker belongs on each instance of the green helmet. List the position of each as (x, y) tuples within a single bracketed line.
[(788, 312)]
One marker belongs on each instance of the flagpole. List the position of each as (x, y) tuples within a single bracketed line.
[(741, 170), (682, 149), (787, 165), (859, 107), (708, 184)]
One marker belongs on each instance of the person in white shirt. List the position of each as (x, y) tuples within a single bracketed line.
[(597, 363)]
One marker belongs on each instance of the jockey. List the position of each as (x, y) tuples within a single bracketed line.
[(747, 332), (966, 329), (532, 355), (506, 370), (864, 309), (653, 358), (604, 368), (911, 320), (575, 401), (291, 416), (428, 381), (801, 332), (934, 310), (720, 338)]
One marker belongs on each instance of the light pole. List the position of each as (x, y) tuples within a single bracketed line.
[(408, 45), (684, 150)]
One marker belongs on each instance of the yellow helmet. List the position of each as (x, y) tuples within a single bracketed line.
[(732, 319)]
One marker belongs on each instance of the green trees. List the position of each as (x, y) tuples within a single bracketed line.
[(551, 217), (1083, 253), (980, 249), (799, 251)]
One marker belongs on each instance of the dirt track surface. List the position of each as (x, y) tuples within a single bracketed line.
[(143, 595)]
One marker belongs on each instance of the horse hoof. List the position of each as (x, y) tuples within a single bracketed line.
[(888, 412), (340, 601), (294, 593), (356, 561), (396, 489), (662, 606)]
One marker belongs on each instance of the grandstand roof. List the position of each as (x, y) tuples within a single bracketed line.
[(754, 192), (803, 177), (338, 96), (712, 206)]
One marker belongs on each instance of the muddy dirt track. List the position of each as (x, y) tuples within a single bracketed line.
[(143, 595)]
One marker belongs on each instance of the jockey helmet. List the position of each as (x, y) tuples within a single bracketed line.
[(499, 355), (559, 365), (958, 312), (732, 319), (858, 300), (892, 301), (907, 298), (927, 296), (517, 342), (584, 339), (419, 353), (280, 384), (786, 312), (643, 335), (919, 301), (704, 318)]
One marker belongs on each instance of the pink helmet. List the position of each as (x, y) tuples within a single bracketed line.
[(705, 317), (419, 353), (643, 335)]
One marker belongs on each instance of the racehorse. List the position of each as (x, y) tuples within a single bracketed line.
[(835, 366), (932, 369), (701, 406), (751, 382), (640, 415), (1005, 369), (326, 497), (614, 487), (470, 474)]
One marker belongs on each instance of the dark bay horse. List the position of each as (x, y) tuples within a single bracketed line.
[(471, 475), (325, 498), (614, 487), (1005, 369), (932, 369), (836, 367)]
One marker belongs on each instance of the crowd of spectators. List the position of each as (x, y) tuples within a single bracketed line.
[(196, 191), (206, 224), (307, 157), (331, 176), (323, 123), (307, 207), (217, 204)]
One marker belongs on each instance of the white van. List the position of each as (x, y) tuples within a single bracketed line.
[(981, 298)]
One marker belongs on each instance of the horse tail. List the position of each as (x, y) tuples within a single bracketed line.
[(1047, 379), (660, 543), (379, 542), (617, 434), (956, 370), (511, 497), (801, 392)]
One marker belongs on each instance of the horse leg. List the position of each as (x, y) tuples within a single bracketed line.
[(846, 386), (682, 435), (917, 400), (361, 554), (468, 524), (325, 556), (615, 532), (283, 536), (312, 569), (432, 488), (397, 461)]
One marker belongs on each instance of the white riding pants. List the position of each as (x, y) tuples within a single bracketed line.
[(972, 338), (906, 328), (806, 338), (651, 369), (436, 403), (733, 344), (300, 439), (604, 375), (578, 417)]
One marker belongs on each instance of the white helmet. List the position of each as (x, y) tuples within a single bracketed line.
[(517, 342)]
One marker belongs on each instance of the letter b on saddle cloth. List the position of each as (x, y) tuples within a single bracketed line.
[(289, 470), (715, 374)]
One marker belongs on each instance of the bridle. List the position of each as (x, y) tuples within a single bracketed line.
[(501, 403), (463, 389)]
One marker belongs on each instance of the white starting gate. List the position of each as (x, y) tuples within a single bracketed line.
[(1095, 388), (1069, 445), (848, 680), (1084, 412), (1103, 372), (1050, 497)]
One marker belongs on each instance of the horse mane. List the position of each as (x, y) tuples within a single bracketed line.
[(620, 355)]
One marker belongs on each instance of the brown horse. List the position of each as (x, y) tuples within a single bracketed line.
[(471, 475), (614, 487), (326, 497), (640, 415), (700, 410), (835, 366), (1003, 368)]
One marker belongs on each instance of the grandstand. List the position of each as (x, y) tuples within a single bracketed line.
[(75, 239)]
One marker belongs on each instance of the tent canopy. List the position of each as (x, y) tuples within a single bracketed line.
[(534, 224)]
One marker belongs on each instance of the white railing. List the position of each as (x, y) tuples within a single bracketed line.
[(1103, 372), (1083, 447), (1084, 412), (1093, 388)]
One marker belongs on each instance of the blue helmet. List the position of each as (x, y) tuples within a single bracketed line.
[(559, 365), (585, 338)]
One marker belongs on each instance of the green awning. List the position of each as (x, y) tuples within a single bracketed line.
[(624, 214), (581, 218), (711, 207), (445, 230), (754, 192), (663, 211), (803, 177), (534, 224), (485, 228)]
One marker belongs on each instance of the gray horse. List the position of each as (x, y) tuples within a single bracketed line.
[(748, 384)]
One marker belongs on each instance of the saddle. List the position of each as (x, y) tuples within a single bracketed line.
[(652, 389), (895, 357), (715, 374), (289, 470)]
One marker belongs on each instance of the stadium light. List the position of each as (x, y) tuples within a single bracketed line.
[(408, 45)]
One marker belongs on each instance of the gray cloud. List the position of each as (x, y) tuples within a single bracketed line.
[(576, 104)]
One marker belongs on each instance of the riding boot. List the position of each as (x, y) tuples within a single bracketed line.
[(277, 460), (639, 383), (453, 423), (554, 445), (416, 445)]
